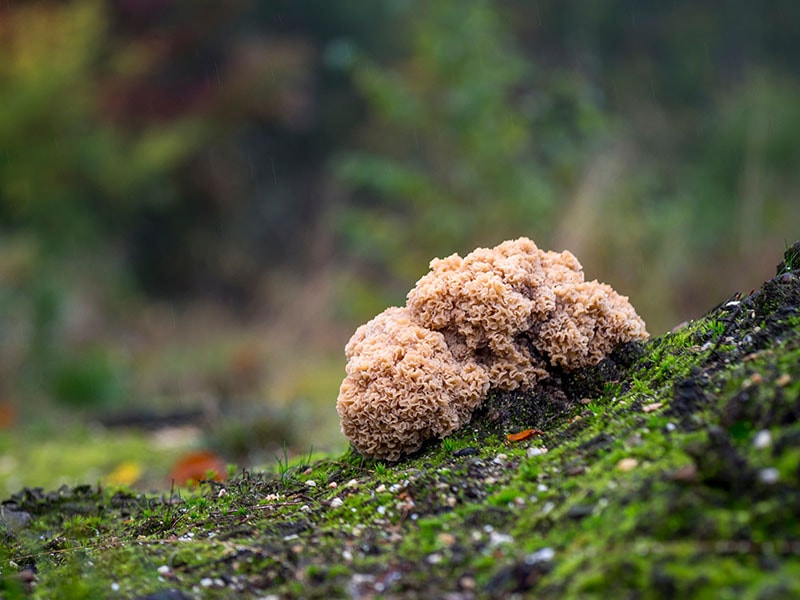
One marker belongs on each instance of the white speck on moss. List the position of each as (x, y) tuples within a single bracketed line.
[(762, 440), (770, 475), (540, 556)]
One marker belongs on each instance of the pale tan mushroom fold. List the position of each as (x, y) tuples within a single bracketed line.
[(495, 318)]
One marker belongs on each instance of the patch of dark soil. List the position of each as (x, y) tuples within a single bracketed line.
[(595, 445), (719, 464), (68, 501), (688, 396), (517, 578), (554, 399), (761, 406), (505, 412)]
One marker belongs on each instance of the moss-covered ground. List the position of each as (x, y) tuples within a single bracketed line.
[(672, 469)]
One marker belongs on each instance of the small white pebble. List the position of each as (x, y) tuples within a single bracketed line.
[(627, 464), (352, 483), (495, 539), (380, 489), (164, 570), (333, 485), (311, 483), (206, 582), (543, 555), (670, 427), (500, 459), (115, 587), (434, 559), (336, 502), (770, 475), (763, 439), (451, 501), (347, 555), (536, 451), (222, 493), (381, 510), (542, 487)]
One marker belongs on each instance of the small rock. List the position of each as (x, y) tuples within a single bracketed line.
[(536, 451), (770, 475), (380, 489), (635, 440), (754, 379), (575, 469), (14, 520), (540, 556), (467, 583), (579, 511), (434, 559), (311, 483), (627, 464), (352, 483), (27, 576), (333, 485), (468, 451), (653, 406), (685, 474), (496, 538), (336, 502), (783, 380), (762, 439)]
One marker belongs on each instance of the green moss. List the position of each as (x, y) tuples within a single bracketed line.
[(704, 511)]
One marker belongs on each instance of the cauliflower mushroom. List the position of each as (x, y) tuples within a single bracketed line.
[(496, 318)]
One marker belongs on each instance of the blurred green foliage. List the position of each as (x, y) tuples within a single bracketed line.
[(467, 141), (302, 160), (69, 175), (71, 182)]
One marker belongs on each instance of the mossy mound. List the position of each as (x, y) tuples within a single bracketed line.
[(671, 469)]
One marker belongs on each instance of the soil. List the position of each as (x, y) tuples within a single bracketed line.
[(670, 469)]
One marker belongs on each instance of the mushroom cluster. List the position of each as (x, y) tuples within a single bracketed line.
[(496, 318)]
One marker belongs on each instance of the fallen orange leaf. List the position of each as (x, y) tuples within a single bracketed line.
[(523, 435), (198, 466)]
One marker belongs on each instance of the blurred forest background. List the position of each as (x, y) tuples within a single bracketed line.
[(199, 200)]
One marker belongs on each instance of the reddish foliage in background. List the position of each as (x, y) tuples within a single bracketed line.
[(200, 465), (8, 415)]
